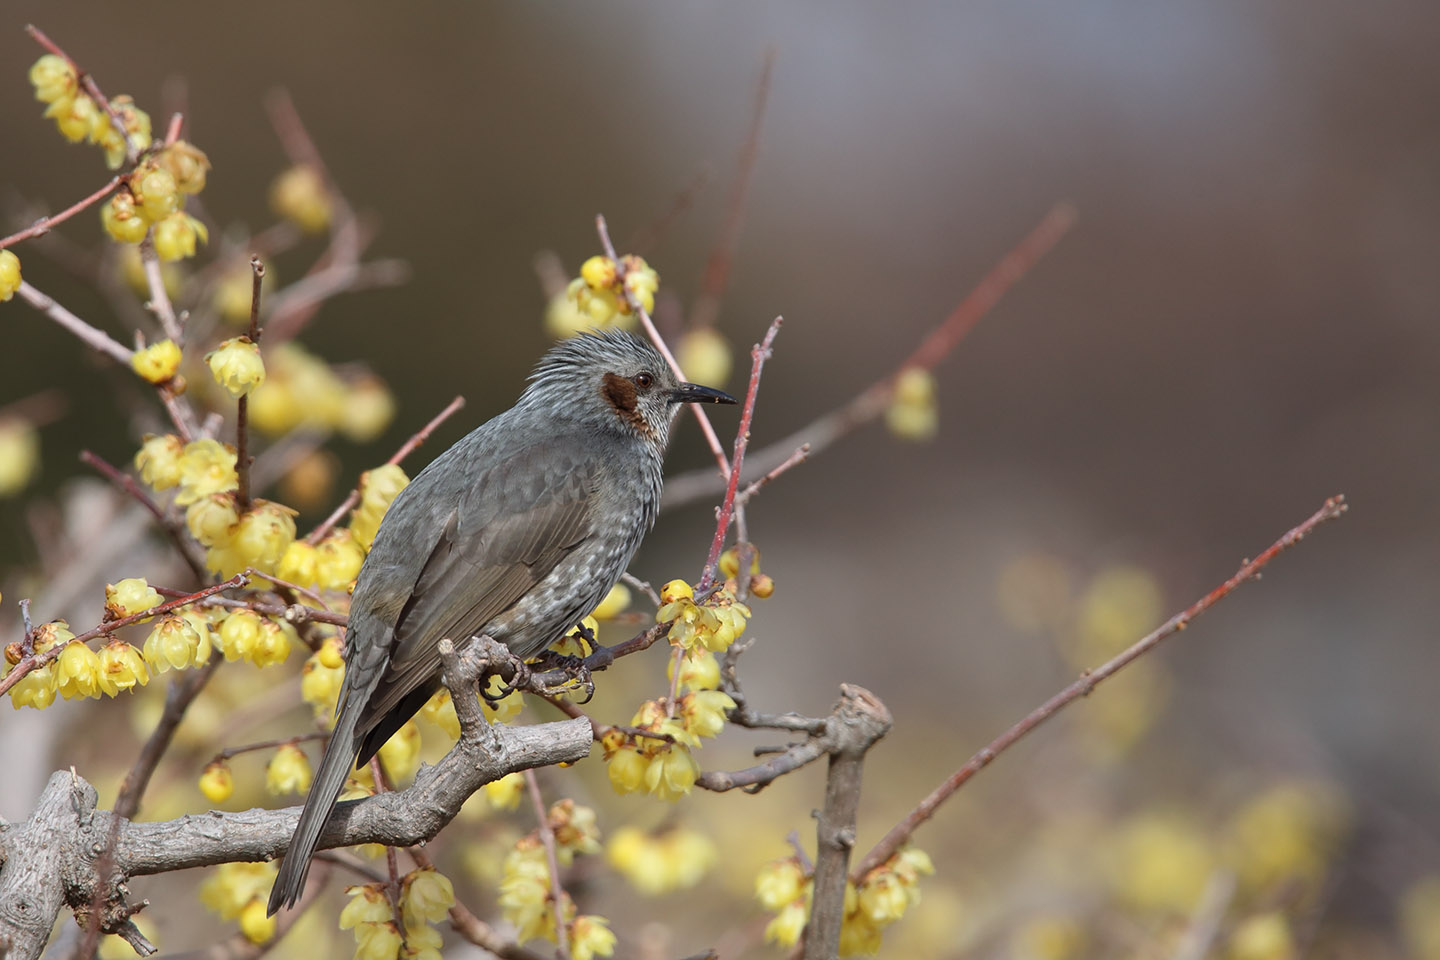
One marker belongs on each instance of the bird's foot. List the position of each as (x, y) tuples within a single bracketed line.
[(576, 670)]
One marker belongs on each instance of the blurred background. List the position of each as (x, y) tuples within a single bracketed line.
[(1241, 324)]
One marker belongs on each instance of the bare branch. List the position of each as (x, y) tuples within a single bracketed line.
[(93, 338)]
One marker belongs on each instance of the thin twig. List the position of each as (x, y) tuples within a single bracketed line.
[(43, 226), (407, 448), (1333, 508), (801, 454), (711, 437), (160, 304), (229, 752), (182, 692), (189, 550), (547, 839), (94, 338), (870, 403), (87, 81)]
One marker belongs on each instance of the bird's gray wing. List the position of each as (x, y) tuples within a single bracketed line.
[(507, 530)]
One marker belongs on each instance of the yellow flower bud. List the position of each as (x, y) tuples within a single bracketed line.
[(121, 668), (576, 828), (157, 362), (75, 117), (53, 78), (236, 366), (614, 604), (77, 672), (915, 385), (9, 275), (263, 534), (628, 769), (136, 123), (337, 560), (216, 782), (368, 904), (273, 646), (704, 712), (378, 488), (288, 771), (155, 191), (123, 220), (563, 317), (699, 670), (730, 561), (369, 408), (176, 236), (129, 597), (299, 195), (591, 937), (257, 927), (19, 455), (426, 897), (913, 413), (320, 685), (159, 460), (599, 272), (676, 590), (187, 163), (704, 356)]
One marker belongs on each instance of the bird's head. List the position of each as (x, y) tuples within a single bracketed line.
[(615, 381)]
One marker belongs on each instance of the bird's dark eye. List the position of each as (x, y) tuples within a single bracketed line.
[(644, 380)]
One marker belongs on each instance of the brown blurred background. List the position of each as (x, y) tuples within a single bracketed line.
[(1243, 323)]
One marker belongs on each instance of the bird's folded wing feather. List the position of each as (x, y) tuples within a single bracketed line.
[(508, 528)]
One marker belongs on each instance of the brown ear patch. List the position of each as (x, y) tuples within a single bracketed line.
[(620, 392)]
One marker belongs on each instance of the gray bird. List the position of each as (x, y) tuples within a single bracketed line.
[(518, 531)]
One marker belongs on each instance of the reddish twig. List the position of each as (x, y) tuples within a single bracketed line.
[(711, 437), (275, 744), (242, 406), (642, 239), (869, 404), (801, 454), (87, 81), (188, 549), (43, 226), (758, 354), (901, 832), (407, 448), (34, 661), (547, 839), (717, 269)]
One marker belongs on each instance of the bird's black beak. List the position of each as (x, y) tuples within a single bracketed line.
[(694, 393)]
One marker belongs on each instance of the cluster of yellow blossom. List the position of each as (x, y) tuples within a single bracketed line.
[(378, 489), (246, 635), (662, 764), (913, 413), (713, 625), (9, 274), (78, 117), (78, 671), (674, 859), (331, 564), (301, 390), (151, 200), (785, 888), (426, 897), (239, 890), (19, 442), (178, 641), (526, 889), (597, 298), (299, 195)]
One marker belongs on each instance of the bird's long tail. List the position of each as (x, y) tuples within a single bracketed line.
[(324, 790)]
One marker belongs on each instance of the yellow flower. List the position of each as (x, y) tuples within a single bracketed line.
[(507, 792), (337, 560), (36, 689), (52, 634), (217, 782), (426, 897), (273, 646), (704, 356), (780, 883), (298, 564), (239, 634), (368, 904), (231, 887), (262, 535), (591, 937), (699, 670), (704, 712), (299, 195), (913, 413), (154, 189), (187, 163), (206, 466), (787, 925), (123, 219), (576, 829), (883, 897), (9, 275), (730, 561), (236, 366), (257, 927), (858, 935), (175, 236), (235, 288), (671, 773), (628, 769), (53, 78), (75, 117), (525, 891), (77, 671), (157, 362), (423, 943), (1265, 936), (1160, 863), (159, 460), (676, 590), (614, 604), (599, 272), (19, 455), (369, 408), (129, 597), (121, 667), (320, 685), (675, 860), (400, 755), (377, 941), (378, 489), (136, 123), (288, 771)]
